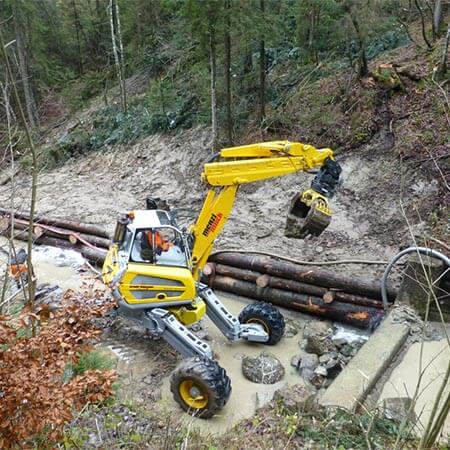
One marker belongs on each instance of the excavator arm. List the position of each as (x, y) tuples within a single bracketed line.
[(309, 213)]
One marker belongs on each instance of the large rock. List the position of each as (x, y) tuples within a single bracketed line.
[(312, 379), (318, 337), (334, 367), (295, 398), (305, 361), (308, 360), (263, 369)]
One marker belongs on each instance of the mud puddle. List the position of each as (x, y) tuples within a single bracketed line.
[(144, 367), (424, 367)]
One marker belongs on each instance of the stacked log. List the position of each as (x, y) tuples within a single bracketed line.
[(91, 241), (351, 300)]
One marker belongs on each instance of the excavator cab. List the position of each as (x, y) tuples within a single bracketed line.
[(150, 261)]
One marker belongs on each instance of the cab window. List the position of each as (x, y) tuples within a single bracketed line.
[(162, 246)]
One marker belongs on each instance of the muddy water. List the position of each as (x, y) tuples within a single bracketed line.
[(405, 377), (144, 368), (51, 265), (246, 396)]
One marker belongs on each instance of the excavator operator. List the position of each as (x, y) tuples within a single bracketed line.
[(154, 239)]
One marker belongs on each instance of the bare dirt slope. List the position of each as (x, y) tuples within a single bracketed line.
[(367, 222)]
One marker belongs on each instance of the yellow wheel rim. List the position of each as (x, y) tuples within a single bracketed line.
[(193, 394), (260, 322)]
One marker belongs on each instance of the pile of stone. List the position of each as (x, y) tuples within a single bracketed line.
[(323, 353)]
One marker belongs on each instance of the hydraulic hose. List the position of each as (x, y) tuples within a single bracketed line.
[(423, 250)]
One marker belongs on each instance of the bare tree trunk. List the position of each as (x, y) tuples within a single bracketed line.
[(98, 29), (437, 16), (228, 73), (77, 31), (262, 70), (313, 21), (422, 20), (213, 68), (8, 110), (30, 274), (22, 53), (116, 39), (405, 27), (363, 67), (442, 70), (121, 55)]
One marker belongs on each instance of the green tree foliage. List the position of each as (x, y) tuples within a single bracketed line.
[(168, 43)]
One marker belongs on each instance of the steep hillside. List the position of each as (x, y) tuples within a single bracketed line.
[(390, 132)]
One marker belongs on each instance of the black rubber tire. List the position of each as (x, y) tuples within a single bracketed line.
[(268, 316), (207, 375)]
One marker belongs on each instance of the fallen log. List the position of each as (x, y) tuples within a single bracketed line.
[(345, 297), (294, 286), (61, 223), (95, 255), (314, 276), (41, 230), (354, 315), (72, 236)]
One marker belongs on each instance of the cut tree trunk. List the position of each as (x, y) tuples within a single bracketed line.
[(309, 275), (73, 237), (355, 315), (61, 223), (265, 280)]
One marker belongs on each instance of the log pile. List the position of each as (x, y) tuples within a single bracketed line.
[(350, 300), (91, 241)]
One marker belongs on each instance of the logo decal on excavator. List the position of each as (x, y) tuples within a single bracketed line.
[(212, 224)]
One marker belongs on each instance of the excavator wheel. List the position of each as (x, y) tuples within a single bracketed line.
[(266, 315), (200, 386)]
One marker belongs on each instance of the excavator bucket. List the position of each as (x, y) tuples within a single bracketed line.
[(306, 217)]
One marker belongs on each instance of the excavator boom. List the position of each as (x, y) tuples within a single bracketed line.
[(309, 213)]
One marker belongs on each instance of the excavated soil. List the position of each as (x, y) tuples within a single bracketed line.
[(368, 222)]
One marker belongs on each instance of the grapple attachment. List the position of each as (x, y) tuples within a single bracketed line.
[(308, 215)]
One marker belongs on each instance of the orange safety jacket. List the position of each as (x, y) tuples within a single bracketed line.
[(160, 243), (16, 270)]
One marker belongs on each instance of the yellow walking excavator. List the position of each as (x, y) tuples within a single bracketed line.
[(154, 268)]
